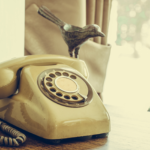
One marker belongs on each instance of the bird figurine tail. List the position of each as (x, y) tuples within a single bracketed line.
[(43, 11)]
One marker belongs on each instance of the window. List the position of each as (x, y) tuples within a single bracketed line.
[(128, 75)]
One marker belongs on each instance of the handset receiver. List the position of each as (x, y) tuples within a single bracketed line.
[(7, 82), (9, 69)]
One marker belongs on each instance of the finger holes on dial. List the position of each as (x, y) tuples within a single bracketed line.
[(65, 74), (59, 94), (74, 97), (52, 75), (49, 84), (67, 97), (58, 73), (53, 89), (73, 77), (49, 79)]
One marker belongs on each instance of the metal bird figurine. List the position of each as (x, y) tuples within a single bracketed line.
[(74, 36)]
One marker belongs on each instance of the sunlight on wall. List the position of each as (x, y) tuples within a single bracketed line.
[(11, 29), (112, 36), (127, 81)]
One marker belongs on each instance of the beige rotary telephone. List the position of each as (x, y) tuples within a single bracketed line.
[(50, 96)]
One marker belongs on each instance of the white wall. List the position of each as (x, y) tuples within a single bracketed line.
[(12, 18)]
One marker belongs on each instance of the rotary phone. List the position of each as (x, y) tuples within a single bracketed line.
[(50, 96)]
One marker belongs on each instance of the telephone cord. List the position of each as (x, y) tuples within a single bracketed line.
[(16, 139)]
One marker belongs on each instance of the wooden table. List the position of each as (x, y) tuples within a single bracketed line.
[(129, 131)]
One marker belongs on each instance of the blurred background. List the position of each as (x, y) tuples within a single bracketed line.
[(128, 77)]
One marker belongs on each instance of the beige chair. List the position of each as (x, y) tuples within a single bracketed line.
[(44, 37)]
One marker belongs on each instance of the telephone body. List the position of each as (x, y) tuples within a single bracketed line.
[(50, 96)]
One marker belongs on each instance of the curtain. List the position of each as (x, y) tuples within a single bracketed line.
[(98, 12), (44, 37)]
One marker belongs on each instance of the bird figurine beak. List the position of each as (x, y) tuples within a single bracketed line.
[(101, 34)]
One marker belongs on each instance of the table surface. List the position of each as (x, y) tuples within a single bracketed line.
[(129, 131)]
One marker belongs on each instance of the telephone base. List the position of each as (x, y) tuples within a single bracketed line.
[(82, 138), (54, 100)]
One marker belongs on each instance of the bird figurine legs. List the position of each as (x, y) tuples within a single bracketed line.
[(76, 52), (71, 52)]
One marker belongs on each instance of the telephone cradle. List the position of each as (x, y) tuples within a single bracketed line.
[(50, 96)]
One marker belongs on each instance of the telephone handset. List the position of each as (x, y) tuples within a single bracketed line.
[(8, 70), (50, 96)]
